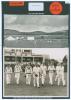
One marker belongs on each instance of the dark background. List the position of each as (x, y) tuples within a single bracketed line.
[(6, 9)]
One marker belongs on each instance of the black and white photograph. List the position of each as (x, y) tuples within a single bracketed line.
[(36, 72), (36, 31), (36, 56)]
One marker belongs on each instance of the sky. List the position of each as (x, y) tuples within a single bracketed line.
[(30, 23), (53, 53)]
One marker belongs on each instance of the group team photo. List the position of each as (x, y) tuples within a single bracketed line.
[(24, 67)]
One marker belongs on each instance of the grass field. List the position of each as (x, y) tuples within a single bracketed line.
[(23, 90)]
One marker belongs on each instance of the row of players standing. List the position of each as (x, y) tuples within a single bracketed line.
[(38, 71)]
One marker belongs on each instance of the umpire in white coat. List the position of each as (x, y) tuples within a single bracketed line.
[(8, 72), (17, 71)]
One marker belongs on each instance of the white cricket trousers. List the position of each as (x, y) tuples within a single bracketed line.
[(57, 76), (61, 78), (51, 78), (28, 79), (36, 81), (17, 77), (8, 78), (43, 79)]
